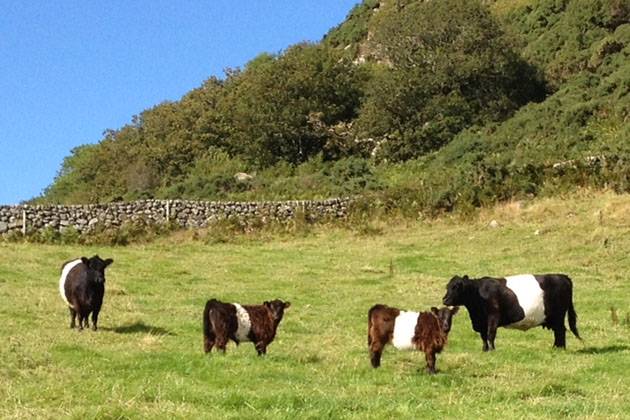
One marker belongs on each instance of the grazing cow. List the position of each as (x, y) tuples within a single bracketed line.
[(255, 323), (521, 302), (425, 331), (82, 286)]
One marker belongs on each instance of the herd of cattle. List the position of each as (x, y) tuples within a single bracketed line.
[(522, 302)]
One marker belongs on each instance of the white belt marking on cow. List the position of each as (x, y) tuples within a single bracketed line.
[(244, 323), (62, 280), (404, 330), (530, 298)]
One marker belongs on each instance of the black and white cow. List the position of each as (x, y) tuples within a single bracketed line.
[(82, 287), (522, 302)]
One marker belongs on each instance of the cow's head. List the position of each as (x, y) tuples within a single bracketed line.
[(445, 316), (277, 307), (455, 291), (98, 265)]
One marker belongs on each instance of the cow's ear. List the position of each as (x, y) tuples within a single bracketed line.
[(287, 304), (108, 262), (266, 303), (465, 277), (85, 261), (434, 310)]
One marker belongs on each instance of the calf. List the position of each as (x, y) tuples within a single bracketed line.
[(255, 323), (82, 287), (521, 302), (425, 331)]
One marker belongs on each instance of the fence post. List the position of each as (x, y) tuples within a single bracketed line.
[(23, 221), (168, 210)]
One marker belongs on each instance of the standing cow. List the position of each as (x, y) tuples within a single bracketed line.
[(82, 286), (232, 321), (406, 330), (523, 302)]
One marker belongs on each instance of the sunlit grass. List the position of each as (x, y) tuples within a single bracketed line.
[(147, 359)]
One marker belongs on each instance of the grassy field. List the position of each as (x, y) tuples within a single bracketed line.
[(146, 361)]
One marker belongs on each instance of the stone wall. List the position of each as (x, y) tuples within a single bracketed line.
[(189, 214)]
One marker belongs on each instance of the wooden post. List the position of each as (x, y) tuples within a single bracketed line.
[(168, 210), (24, 221)]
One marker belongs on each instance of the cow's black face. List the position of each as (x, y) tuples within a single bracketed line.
[(277, 308), (455, 291), (445, 316), (98, 265)]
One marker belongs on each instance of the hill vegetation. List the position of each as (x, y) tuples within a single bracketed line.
[(424, 106)]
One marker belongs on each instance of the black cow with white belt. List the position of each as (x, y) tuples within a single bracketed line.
[(82, 287), (522, 302)]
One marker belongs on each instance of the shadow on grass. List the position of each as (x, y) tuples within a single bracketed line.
[(604, 350), (140, 327)]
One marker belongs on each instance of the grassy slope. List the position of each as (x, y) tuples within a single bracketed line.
[(147, 361)]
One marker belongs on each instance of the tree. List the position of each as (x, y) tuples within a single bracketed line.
[(275, 106), (448, 66)]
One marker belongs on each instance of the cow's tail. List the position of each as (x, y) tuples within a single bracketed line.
[(369, 327), (573, 320), (572, 314), (206, 319), (369, 334), (372, 309)]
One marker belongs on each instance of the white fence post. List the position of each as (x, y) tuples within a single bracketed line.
[(24, 221)]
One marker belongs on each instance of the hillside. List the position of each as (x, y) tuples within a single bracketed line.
[(429, 106)]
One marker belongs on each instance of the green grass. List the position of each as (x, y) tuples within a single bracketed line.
[(147, 361)]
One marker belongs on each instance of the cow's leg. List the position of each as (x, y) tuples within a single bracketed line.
[(484, 338), (430, 357), (261, 348), (83, 320), (73, 317), (493, 323), (94, 320), (80, 313), (221, 342), (376, 350), (208, 342), (559, 332)]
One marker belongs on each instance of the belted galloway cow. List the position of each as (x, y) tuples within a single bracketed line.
[(232, 321), (407, 330), (522, 302), (82, 287)]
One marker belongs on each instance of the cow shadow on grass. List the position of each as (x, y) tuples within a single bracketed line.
[(140, 328), (604, 350)]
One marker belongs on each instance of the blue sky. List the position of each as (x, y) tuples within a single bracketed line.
[(69, 70)]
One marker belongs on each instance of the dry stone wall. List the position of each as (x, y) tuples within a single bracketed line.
[(188, 214)]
